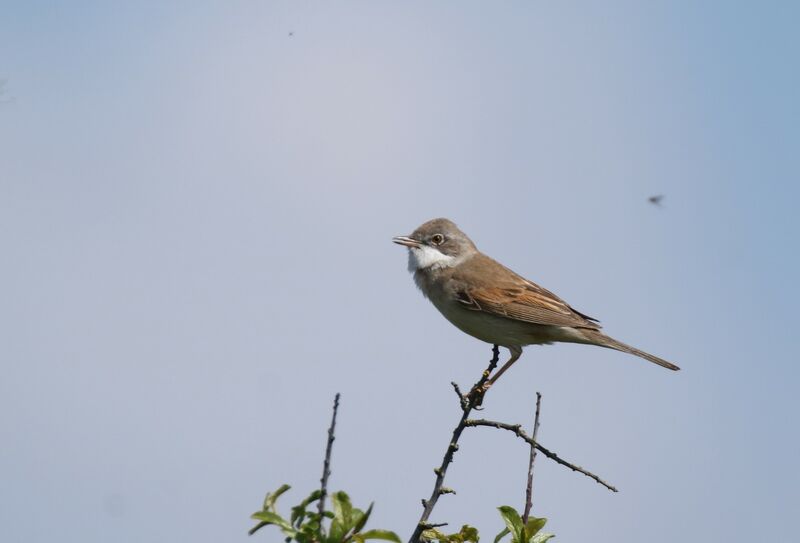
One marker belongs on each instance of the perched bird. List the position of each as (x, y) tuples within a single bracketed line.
[(656, 200), (488, 301)]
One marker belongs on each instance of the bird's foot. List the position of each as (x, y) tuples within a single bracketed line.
[(476, 395)]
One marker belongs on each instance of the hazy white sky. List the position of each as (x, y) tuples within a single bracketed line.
[(195, 216)]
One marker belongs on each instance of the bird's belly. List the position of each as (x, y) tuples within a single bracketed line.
[(494, 329)]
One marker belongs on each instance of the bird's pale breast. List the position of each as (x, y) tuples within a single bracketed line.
[(490, 328)]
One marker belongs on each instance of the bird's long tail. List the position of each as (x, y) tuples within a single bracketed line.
[(599, 338)]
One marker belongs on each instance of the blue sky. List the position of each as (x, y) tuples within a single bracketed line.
[(195, 215)]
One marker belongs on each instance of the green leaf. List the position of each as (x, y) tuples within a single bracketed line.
[(342, 509), (385, 535), (541, 538), (502, 534), (299, 510), (311, 527), (362, 518), (337, 531), (257, 527), (432, 534), (469, 534), (269, 501), (533, 527), (513, 522), (269, 517)]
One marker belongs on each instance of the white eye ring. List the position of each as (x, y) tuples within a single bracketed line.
[(437, 239)]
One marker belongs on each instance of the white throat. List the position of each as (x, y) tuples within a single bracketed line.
[(425, 257)]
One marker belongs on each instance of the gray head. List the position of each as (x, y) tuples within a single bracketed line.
[(436, 244)]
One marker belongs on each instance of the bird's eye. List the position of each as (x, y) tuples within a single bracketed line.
[(437, 239)]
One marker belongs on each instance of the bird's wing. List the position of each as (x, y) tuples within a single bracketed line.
[(519, 299)]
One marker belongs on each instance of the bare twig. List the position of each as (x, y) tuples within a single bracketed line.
[(517, 429), (326, 467), (529, 488), (461, 398), (468, 403)]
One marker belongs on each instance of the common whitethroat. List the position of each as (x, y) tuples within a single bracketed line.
[(488, 301)]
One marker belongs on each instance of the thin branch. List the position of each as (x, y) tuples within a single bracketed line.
[(326, 467), (517, 429), (529, 488), (468, 403), (461, 398)]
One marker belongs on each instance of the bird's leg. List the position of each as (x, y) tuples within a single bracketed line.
[(516, 352), (478, 392)]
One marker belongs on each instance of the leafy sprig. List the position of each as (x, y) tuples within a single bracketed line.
[(305, 525), (529, 532)]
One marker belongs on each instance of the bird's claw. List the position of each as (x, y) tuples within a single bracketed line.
[(476, 395)]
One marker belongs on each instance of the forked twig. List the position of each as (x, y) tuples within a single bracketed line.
[(517, 429), (471, 401)]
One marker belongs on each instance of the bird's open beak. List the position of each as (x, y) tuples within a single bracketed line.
[(407, 241)]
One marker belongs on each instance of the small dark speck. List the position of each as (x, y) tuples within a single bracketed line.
[(291, 34), (656, 200)]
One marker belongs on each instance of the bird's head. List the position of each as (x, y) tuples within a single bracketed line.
[(436, 244)]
